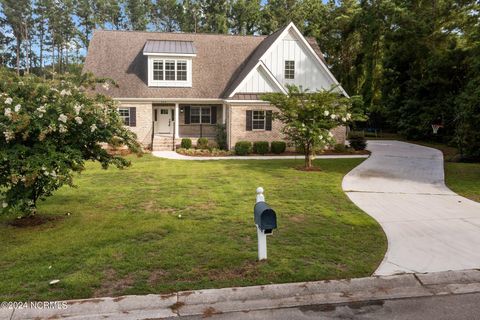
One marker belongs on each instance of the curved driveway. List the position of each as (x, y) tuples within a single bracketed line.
[(429, 227)]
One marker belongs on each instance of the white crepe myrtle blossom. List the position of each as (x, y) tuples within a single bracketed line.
[(333, 116), (93, 127), (18, 107), (326, 113), (9, 135), (62, 128), (79, 120), (63, 118), (4, 205), (330, 134), (65, 92), (77, 108), (106, 86), (8, 112), (8, 101), (344, 119), (349, 116)]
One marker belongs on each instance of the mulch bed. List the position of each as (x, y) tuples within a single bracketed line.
[(32, 221)]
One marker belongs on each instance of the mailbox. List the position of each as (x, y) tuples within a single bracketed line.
[(265, 217)]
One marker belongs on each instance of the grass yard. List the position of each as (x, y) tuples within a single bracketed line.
[(464, 179), (124, 234)]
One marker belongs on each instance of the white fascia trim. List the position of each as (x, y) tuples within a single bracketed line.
[(310, 49), (254, 69), (233, 102), (170, 54), (168, 100), (272, 77)]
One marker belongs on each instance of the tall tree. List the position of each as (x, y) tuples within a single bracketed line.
[(166, 15), (138, 14), (18, 15), (214, 18), (277, 13), (244, 16)]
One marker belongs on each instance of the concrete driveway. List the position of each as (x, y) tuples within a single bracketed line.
[(429, 227)]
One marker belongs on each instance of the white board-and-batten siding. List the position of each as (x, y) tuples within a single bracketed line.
[(259, 81), (309, 74)]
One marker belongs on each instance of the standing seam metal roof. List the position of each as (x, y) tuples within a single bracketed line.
[(169, 46)]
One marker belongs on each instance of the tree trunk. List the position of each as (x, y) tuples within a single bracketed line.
[(41, 50), (308, 156), (19, 43)]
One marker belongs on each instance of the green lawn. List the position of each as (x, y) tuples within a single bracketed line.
[(124, 234), (464, 179)]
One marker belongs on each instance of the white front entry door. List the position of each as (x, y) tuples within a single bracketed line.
[(162, 118)]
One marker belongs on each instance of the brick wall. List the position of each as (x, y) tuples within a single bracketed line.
[(238, 132), (143, 129)]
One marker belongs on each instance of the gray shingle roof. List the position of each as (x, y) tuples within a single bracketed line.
[(219, 62), (165, 46)]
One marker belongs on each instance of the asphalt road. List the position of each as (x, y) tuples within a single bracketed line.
[(450, 307)]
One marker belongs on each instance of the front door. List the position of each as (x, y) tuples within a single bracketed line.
[(162, 119)]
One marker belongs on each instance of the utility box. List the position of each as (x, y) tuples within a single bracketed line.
[(265, 217)]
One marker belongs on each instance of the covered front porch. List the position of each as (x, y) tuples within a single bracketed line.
[(174, 121)]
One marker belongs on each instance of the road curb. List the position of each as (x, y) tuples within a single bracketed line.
[(212, 301)]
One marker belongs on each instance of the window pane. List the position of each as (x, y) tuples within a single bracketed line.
[(158, 70), (182, 70), (258, 120), (206, 115), (169, 69), (195, 115), (289, 69), (125, 115)]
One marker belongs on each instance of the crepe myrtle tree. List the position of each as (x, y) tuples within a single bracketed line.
[(48, 129), (309, 117)]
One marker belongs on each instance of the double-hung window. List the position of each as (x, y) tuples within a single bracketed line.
[(158, 70), (125, 115), (200, 115), (289, 69), (181, 70), (258, 120)]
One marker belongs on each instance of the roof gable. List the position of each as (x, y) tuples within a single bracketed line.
[(259, 80), (290, 33)]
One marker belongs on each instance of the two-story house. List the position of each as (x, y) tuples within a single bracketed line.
[(176, 85)]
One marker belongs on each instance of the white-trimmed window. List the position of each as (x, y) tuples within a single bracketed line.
[(258, 120), (200, 115), (125, 115), (158, 70), (170, 72), (289, 69), (181, 70)]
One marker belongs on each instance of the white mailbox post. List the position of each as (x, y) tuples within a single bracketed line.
[(266, 220)]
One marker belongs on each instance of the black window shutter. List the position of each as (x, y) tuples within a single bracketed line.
[(249, 120), (268, 122), (187, 114), (133, 117), (214, 114)]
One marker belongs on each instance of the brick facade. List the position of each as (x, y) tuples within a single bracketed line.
[(143, 128), (236, 125), (238, 132)]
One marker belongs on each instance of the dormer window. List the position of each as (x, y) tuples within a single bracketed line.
[(169, 63)]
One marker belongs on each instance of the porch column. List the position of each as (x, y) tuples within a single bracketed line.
[(177, 119), (224, 109)]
